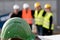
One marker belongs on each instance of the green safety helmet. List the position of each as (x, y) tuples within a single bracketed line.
[(16, 28)]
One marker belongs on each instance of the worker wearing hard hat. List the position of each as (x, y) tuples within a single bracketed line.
[(27, 14), (15, 12), (48, 20), (39, 15)]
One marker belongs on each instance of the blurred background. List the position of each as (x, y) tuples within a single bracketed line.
[(6, 6)]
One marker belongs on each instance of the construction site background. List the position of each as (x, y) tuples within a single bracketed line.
[(6, 6)]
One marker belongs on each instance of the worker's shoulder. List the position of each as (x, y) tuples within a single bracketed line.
[(43, 10), (33, 11), (20, 11), (11, 13)]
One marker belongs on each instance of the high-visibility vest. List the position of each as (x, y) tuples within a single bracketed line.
[(46, 22), (27, 15), (38, 17)]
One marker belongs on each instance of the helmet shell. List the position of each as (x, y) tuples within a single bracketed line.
[(17, 28)]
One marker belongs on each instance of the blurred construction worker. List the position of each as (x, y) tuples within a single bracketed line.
[(39, 15), (48, 21), (15, 12), (27, 14)]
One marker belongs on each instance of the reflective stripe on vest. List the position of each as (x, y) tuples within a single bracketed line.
[(38, 17), (46, 21), (27, 16)]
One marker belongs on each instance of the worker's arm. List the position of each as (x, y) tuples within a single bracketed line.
[(51, 20), (20, 14), (10, 15), (44, 13), (32, 13)]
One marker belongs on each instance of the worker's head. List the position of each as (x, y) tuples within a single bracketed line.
[(15, 8), (25, 6), (47, 7), (37, 6), (17, 28)]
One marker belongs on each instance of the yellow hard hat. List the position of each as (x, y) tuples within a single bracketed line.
[(36, 4), (47, 6)]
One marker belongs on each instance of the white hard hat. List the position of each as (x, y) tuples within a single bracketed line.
[(16, 7), (25, 5)]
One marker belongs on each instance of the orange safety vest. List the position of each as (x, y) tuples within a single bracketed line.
[(27, 16)]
